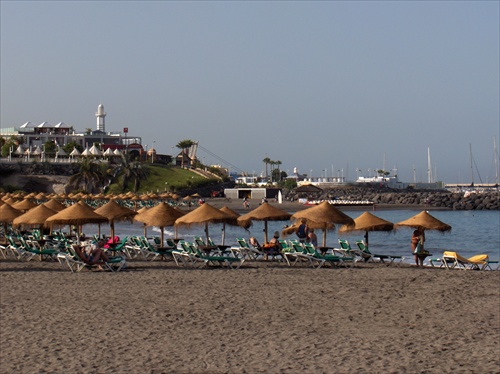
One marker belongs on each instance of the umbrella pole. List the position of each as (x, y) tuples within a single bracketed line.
[(98, 230), (161, 235), (112, 226), (223, 232), (324, 237), (206, 231), (366, 239), (265, 232)]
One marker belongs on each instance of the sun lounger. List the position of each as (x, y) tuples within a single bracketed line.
[(332, 259), (383, 258), (452, 260), (19, 250), (190, 254), (74, 263), (247, 251)]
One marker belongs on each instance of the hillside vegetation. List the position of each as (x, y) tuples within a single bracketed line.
[(163, 178)]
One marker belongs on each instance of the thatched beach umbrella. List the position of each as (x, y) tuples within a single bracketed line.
[(203, 215), (323, 216), (24, 205), (264, 212), (77, 214), (55, 205), (8, 214), (424, 221), (368, 222), (161, 215), (34, 217), (115, 212)]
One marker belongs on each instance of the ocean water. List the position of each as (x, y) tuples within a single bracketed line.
[(472, 232)]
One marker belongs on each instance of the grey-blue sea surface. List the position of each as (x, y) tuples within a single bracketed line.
[(473, 232)]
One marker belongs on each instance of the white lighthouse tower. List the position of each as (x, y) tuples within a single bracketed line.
[(100, 118)]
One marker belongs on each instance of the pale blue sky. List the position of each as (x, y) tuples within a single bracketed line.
[(316, 85)]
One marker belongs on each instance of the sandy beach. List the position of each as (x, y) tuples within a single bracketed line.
[(263, 318)]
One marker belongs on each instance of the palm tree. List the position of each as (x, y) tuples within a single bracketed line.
[(272, 163), (278, 162), (184, 145), (131, 171), (91, 176), (266, 161)]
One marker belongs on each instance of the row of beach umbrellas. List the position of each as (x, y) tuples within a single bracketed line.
[(324, 216)]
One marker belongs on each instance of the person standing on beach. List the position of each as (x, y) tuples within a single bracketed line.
[(312, 238), (303, 231), (246, 203), (417, 246)]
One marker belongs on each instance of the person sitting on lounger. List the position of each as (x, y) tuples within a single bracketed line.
[(112, 242), (273, 247), (93, 255), (254, 243)]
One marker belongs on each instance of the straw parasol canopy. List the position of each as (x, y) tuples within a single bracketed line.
[(203, 215), (77, 214), (424, 221), (115, 212), (323, 216), (40, 196), (368, 222), (34, 217), (24, 205), (264, 212), (161, 215), (55, 205), (8, 214)]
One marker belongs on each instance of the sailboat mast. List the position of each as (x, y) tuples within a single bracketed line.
[(429, 166), (495, 151), (471, 168)]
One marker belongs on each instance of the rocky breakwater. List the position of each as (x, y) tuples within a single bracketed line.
[(442, 199), (446, 200)]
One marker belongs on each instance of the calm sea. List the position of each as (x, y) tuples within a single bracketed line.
[(473, 232)]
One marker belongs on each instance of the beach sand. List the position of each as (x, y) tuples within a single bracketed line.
[(263, 318)]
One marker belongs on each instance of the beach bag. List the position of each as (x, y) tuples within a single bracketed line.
[(418, 249)]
